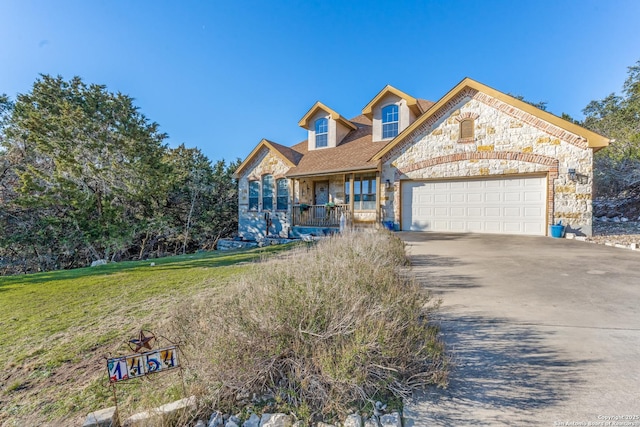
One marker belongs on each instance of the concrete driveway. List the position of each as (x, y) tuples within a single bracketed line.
[(542, 331)]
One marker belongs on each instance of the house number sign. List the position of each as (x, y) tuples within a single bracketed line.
[(147, 360)]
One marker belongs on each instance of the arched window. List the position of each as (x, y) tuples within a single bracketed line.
[(282, 188), (254, 195), (322, 131), (389, 121), (267, 192)]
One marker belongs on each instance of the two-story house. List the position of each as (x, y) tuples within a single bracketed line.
[(477, 160)]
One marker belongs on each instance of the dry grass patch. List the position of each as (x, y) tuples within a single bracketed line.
[(320, 333)]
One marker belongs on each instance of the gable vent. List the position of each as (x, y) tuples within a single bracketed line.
[(466, 129)]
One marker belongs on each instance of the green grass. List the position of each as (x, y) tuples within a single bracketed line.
[(57, 327)]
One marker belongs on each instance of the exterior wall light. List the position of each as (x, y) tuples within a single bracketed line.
[(577, 177), (387, 184)]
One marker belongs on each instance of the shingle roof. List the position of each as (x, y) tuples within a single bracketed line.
[(354, 152), (292, 155), (424, 104)]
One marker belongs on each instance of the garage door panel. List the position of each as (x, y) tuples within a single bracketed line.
[(474, 197), (492, 227), (423, 211), (493, 211), (474, 212), (514, 205), (492, 197), (458, 198), (457, 225), (475, 226), (441, 186), (533, 212), (457, 211), (441, 211), (533, 196), (512, 227), (532, 228), (512, 183), (512, 196), (512, 212), (424, 198), (440, 224)]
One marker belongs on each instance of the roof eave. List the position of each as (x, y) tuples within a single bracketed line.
[(372, 167), (304, 121), (412, 102), (264, 143), (594, 140)]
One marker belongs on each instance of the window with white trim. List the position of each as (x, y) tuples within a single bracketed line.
[(322, 132), (364, 192), (282, 199), (390, 121), (267, 192), (254, 195)]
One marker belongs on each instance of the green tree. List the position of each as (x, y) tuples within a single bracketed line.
[(85, 176), (88, 167), (203, 198), (617, 167), (190, 181)]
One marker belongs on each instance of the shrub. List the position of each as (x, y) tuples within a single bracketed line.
[(319, 332)]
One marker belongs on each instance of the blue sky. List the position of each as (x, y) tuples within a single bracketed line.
[(222, 75)]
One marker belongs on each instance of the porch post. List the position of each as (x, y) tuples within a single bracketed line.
[(292, 199), (351, 199), (378, 198)]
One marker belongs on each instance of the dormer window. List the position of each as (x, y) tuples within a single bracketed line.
[(322, 132), (325, 127), (391, 111), (390, 121)]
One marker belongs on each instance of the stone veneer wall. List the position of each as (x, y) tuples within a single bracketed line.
[(507, 141), (252, 224)]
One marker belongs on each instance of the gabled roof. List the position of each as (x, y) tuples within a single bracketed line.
[(594, 140), (319, 106), (412, 102), (352, 154), (288, 155)]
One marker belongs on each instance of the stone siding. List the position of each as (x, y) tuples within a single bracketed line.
[(506, 141), (252, 224)]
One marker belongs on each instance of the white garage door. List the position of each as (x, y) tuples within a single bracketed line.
[(504, 205)]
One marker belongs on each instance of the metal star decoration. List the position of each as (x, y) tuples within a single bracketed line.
[(146, 340)]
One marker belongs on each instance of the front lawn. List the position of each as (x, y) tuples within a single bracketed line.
[(57, 327)]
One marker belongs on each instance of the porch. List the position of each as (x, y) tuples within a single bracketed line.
[(326, 215)]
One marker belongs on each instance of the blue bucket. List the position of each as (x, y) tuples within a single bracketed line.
[(556, 231), (388, 225)]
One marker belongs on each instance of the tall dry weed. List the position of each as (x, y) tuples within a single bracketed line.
[(320, 332)]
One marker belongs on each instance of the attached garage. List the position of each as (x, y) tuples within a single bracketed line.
[(511, 205)]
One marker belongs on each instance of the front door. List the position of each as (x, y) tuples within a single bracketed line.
[(321, 192)]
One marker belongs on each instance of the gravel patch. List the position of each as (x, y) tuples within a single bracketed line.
[(616, 233)]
